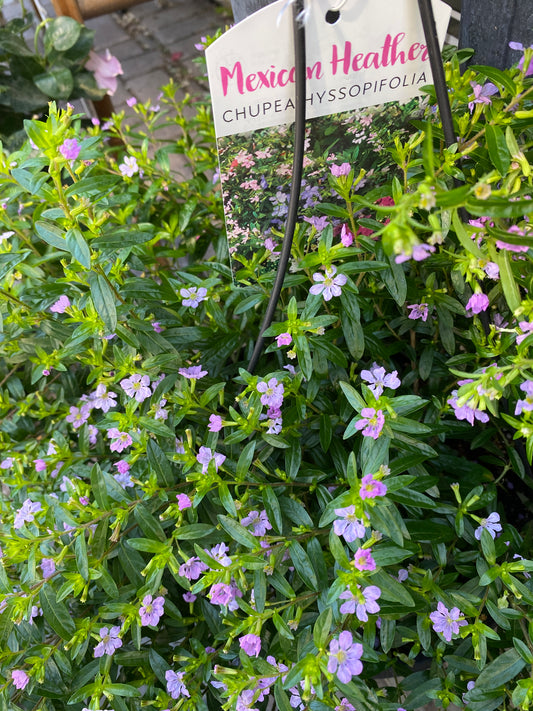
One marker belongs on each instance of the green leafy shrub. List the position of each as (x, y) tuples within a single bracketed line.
[(348, 527), (53, 69)]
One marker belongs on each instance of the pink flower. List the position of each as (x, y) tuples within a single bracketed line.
[(419, 311), (370, 487), (137, 386), (371, 423), (131, 101), (284, 339), (250, 644), (338, 170), (215, 423), (346, 236), (420, 252), (103, 400), (477, 303), (527, 328), (363, 559), (205, 455), (184, 501), (48, 567), (271, 392), (122, 466), (61, 305), (158, 328), (78, 416), (105, 69), (120, 440), (19, 678), (70, 149), (40, 465)]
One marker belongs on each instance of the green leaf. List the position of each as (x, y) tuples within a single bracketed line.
[(147, 545), (302, 565), (496, 76), (281, 698), (56, 613), (159, 463), (62, 33), (293, 458), (498, 151), (260, 590), (245, 460), (103, 300), (99, 489), (487, 546), (159, 665), (272, 508), (304, 356), (148, 523), (237, 532), (391, 589), (56, 82), (51, 234), (387, 632), (322, 628), (78, 247), (226, 498), (509, 286), (353, 397), (504, 668), (193, 531), (101, 184), (122, 690), (80, 550), (467, 242)]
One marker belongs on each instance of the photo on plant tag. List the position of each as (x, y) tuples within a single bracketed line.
[(256, 174)]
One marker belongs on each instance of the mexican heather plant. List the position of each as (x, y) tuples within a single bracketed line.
[(346, 528)]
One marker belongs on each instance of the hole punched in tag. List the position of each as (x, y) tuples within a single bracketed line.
[(332, 16)]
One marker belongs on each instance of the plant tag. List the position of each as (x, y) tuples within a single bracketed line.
[(369, 53)]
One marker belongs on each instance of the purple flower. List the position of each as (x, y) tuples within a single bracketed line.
[(137, 386), (7, 463), (215, 423), (419, 311), (40, 465), (492, 270), (344, 657), (192, 568), (419, 253), (124, 480), (131, 101), (446, 621), (338, 170), (346, 236), (189, 597), (345, 705), (129, 167), (284, 339), (372, 422), (482, 94), (120, 440), (403, 574), (348, 526), (61, 305), (271, 392), (467, 411), (519, 46), (218, 552), (70, 149), (260, 522), (361, 603), (270, 246), (102, 399), (380, 379), (161, 413), (205, 455), (370, 487), (158, 328), (319, 223), (491, 524), (183, 501), (223, 594), (527, 328), (122, 466), (109, 641), (245, 701), (363, 559), (527, 404), (48, 567), (250, 644), (195, 372), (193, 296), (78, 416), (19, 678), (175, 685), (26, 513), (93, 433), (328, 284), (477, 303), (151, 610)]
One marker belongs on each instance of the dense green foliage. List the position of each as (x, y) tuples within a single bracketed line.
[(377, 462)]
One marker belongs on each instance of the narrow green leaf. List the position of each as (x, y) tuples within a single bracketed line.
[(148, 523), (51, 234), (103, 300), (272, 508), (498, 151), (122, 690), (78, 247), (509, 286), (466, 241), (159, 463), (302, 565), (353, 397), (226, 498), (245, 460), (147, 545), (322, 628), (237, 532), (391, 589), (293, 458), (504, 668), (56, 613), (260, 590), (80, 550), (195, 530)]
